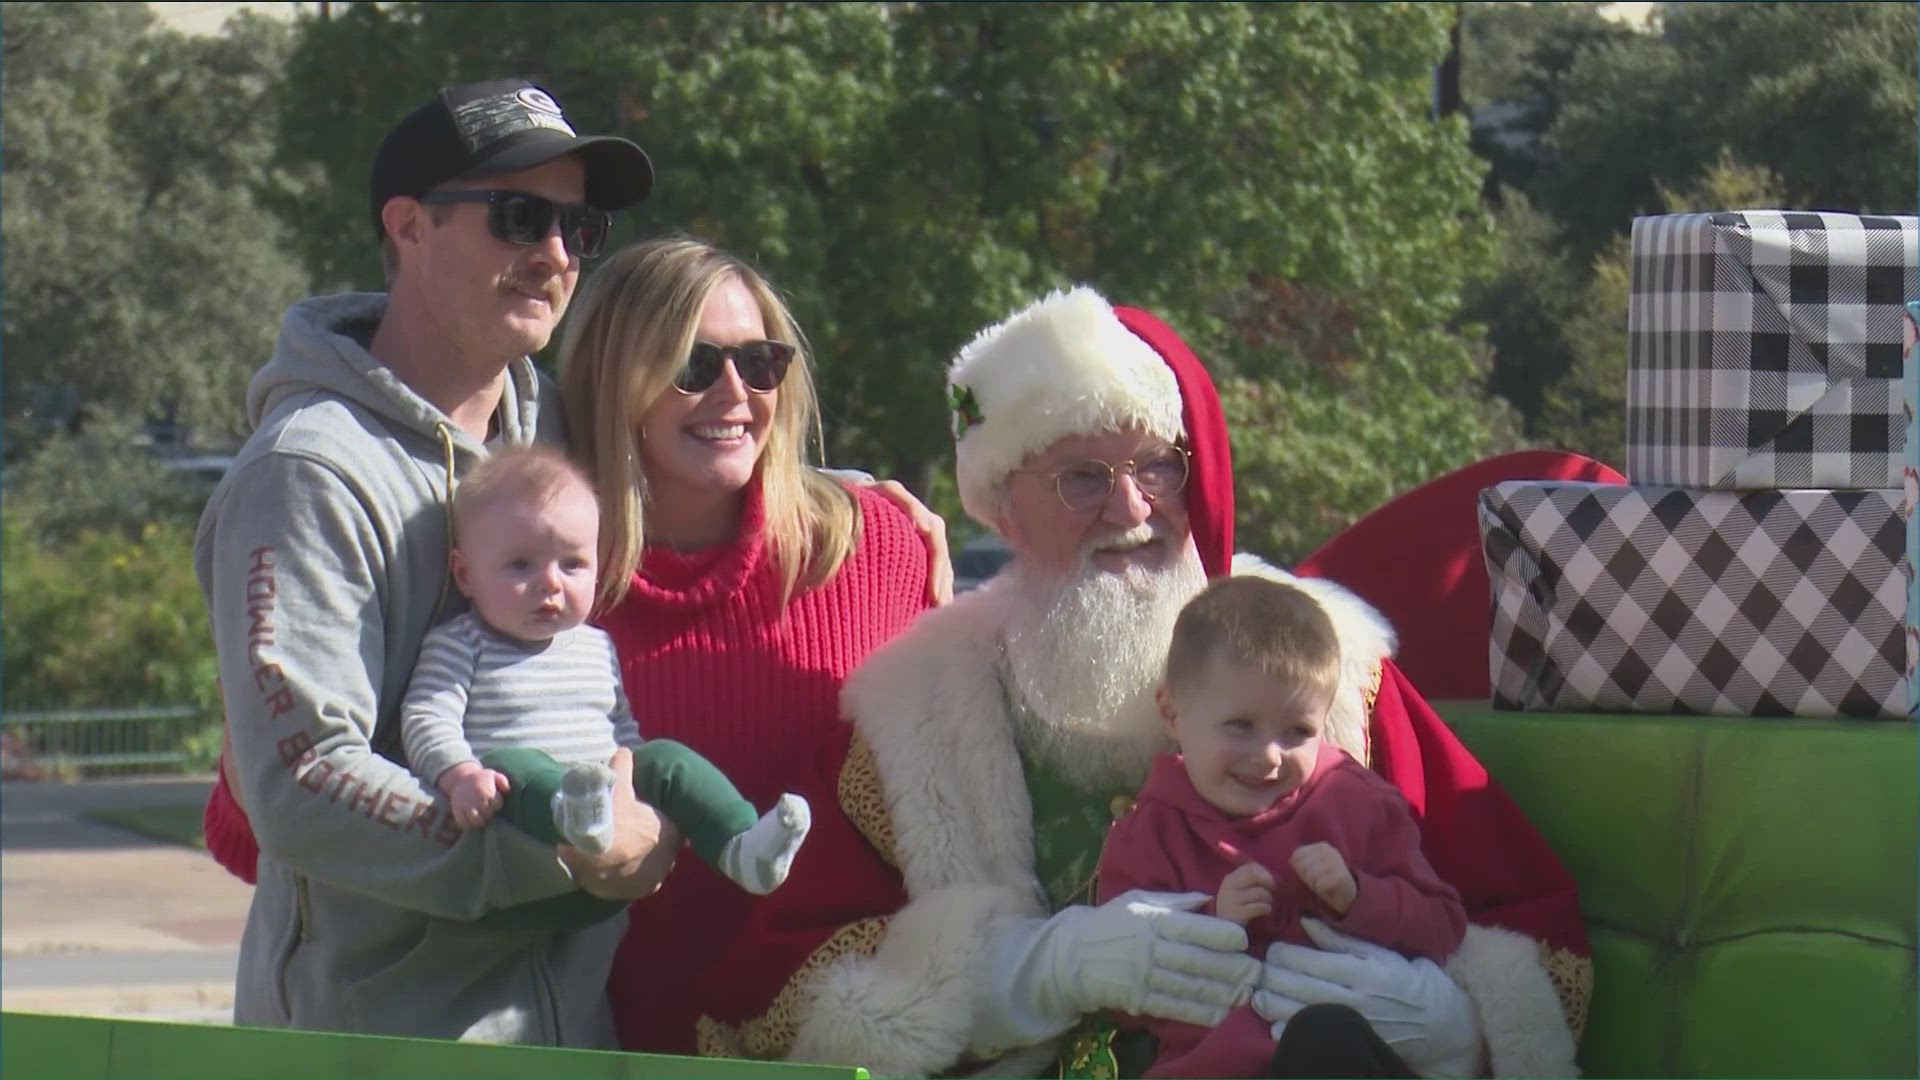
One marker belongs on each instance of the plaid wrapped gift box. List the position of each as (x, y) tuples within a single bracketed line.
[(1764, 349), (1674, 600)]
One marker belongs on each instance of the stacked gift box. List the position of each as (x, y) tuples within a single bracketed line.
[(1910, 503), (1756, 565)]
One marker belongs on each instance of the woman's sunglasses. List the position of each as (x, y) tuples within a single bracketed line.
[(521, 217), (761, 364)]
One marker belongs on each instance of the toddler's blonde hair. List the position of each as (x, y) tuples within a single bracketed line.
[(1262, 623)]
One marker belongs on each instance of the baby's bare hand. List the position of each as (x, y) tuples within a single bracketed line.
[(476, 792), (1245, 894), (1324, 871)]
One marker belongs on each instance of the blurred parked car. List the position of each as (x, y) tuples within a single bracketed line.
[(977, 560)]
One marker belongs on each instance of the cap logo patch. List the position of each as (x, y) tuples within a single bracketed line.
[(486, 120), (535, 98)]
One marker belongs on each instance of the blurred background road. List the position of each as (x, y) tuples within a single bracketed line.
[(98, 919)]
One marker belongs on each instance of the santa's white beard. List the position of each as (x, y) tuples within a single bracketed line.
[(1085, 651)]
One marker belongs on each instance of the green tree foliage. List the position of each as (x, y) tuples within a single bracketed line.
[(103, 618), (1824, 95), (1526, 305), (1514, 63), (1586, 410), (1611, 122), (142, 275), (1325, 455), (1266, 177)]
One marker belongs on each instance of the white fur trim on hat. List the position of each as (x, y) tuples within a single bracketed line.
[(1064, 366)]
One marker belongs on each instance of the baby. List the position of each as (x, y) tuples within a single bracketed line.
[(516, 706), (1262, 813)]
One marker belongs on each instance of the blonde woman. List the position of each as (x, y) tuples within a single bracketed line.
[(741, 585)]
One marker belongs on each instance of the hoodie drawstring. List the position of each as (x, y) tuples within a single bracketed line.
[(446, 441)]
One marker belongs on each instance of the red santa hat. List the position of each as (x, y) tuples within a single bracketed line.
[(1073, 364)]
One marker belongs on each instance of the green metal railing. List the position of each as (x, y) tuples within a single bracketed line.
[(63, 743)]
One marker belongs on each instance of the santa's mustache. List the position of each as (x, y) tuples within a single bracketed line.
[(1122, 539)]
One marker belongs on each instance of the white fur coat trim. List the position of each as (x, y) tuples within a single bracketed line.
[(930, 708), (1520, 1013), (908, 1009)]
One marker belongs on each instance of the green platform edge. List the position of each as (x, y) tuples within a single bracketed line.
[(40, 1047)]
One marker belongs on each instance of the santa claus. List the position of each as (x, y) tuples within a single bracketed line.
[(992, 745)]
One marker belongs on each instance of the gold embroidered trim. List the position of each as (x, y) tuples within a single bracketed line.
[(1572, 977), (770, 1035), (1368, 697), (863, 800)]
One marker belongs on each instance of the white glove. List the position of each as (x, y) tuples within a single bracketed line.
[(1429, 1021), (1141, 952)]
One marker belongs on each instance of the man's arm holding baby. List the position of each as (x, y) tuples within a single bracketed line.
[(643, 849), (303, 708)]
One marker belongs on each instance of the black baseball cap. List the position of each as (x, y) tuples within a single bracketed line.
[(492, 128)]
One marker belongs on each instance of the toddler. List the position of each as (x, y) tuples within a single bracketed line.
[(1260, 811), (516, 706)]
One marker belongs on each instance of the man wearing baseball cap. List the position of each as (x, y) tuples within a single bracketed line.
[(323, 560)]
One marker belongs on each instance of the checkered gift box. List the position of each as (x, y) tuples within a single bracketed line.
[(1674, 600), (1764, 349)]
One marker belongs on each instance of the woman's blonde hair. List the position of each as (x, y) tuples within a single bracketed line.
[(632, 326)]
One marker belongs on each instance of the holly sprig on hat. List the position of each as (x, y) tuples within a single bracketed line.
[(966, 408)]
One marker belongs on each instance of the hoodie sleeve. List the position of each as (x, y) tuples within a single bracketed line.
[(294, 570)]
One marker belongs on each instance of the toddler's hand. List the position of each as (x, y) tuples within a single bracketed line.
[(1245, 894), (477, 793), (1324, 871)]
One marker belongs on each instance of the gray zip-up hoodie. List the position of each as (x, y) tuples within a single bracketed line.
[(323, 559)]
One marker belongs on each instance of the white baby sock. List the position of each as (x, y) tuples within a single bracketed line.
[(759, 858), (583, 807)]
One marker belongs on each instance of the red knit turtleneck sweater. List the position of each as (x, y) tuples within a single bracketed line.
[(709, 661)]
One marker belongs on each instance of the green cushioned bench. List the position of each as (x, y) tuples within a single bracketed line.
[(1751, 887)]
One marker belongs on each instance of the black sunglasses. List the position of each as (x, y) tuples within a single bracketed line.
[(521, 217), (761, 364)]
